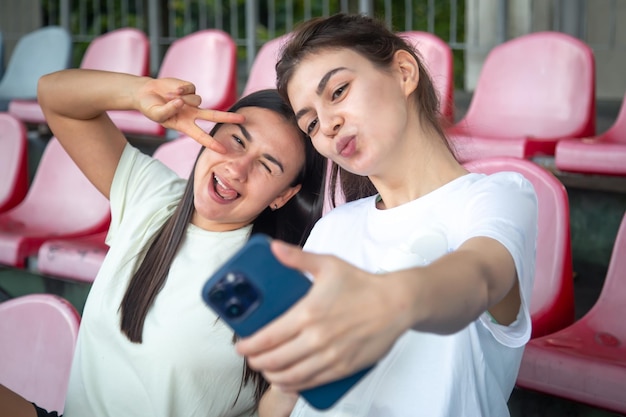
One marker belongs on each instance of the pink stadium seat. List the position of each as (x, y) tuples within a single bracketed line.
[(552, 304), (124, 50), (79, 259), (263, 71), (37, 346), (60, 202), (179, 155), (438, 59), (207, 58), (532, 91), (601, 154), (75, 259), (13, 162), (586, 361)]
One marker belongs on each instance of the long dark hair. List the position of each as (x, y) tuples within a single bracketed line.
[(373, 40), (291, 223)]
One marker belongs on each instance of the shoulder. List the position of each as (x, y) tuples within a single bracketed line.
[(341, 221), (498, 180), (348, 210)]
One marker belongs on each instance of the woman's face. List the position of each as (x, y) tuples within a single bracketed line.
[(264, 155), (355, 113)]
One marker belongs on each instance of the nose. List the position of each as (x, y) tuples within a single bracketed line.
[(330, 124), (238, 168)]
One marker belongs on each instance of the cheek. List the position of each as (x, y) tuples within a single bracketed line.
[(321, 144)]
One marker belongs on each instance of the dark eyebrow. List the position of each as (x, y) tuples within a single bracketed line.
[(275, 161), (269, 157), (245, 133), (320, 89)]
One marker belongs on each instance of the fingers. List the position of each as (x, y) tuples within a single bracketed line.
[(293, 256), (187, 126), (275, 334), (220, 116), (193, 100)]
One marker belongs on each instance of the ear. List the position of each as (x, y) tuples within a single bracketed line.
[(409, 70), (284, 197)]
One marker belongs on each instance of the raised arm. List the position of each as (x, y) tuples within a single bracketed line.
[(351, 318), (75, 102)]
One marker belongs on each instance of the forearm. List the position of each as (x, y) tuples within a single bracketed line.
[(13, 405), (84, 94), (455, 290)]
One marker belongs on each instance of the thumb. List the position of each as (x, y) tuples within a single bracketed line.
[(294, 257)]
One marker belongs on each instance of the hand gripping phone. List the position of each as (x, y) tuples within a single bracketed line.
[(252, 289)]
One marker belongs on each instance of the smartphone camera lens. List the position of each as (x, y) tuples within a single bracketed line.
[(218, 295), (234, 309), (242, 288), (233, 295)]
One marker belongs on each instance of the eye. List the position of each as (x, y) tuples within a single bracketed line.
[(239, 141), (266, 166), (338, 92), (311, 126)]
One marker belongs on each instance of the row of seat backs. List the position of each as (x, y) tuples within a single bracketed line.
[(124, 50), (206, 57), (533, 91)]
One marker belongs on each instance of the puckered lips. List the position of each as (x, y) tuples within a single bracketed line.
[(223, 192), (346, 146)]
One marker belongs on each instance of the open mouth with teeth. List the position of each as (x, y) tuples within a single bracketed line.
[(223, 191)]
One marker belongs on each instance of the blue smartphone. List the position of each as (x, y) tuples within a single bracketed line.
[(252, 289)]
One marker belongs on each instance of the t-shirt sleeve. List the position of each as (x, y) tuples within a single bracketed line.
[(504, 207), (142, 183)]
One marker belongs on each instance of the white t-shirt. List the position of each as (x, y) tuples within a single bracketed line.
[(471, 372), (187, 364)]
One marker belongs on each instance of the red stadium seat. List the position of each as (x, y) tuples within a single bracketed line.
[(13, 162), (124, 50), (532, 91), (586, 362), (39, 334), (603, 154), (61, 202), (79, 259), (552, 304), (438, 59), (207, 58)]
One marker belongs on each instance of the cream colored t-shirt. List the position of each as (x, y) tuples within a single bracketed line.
[(187, 365)]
